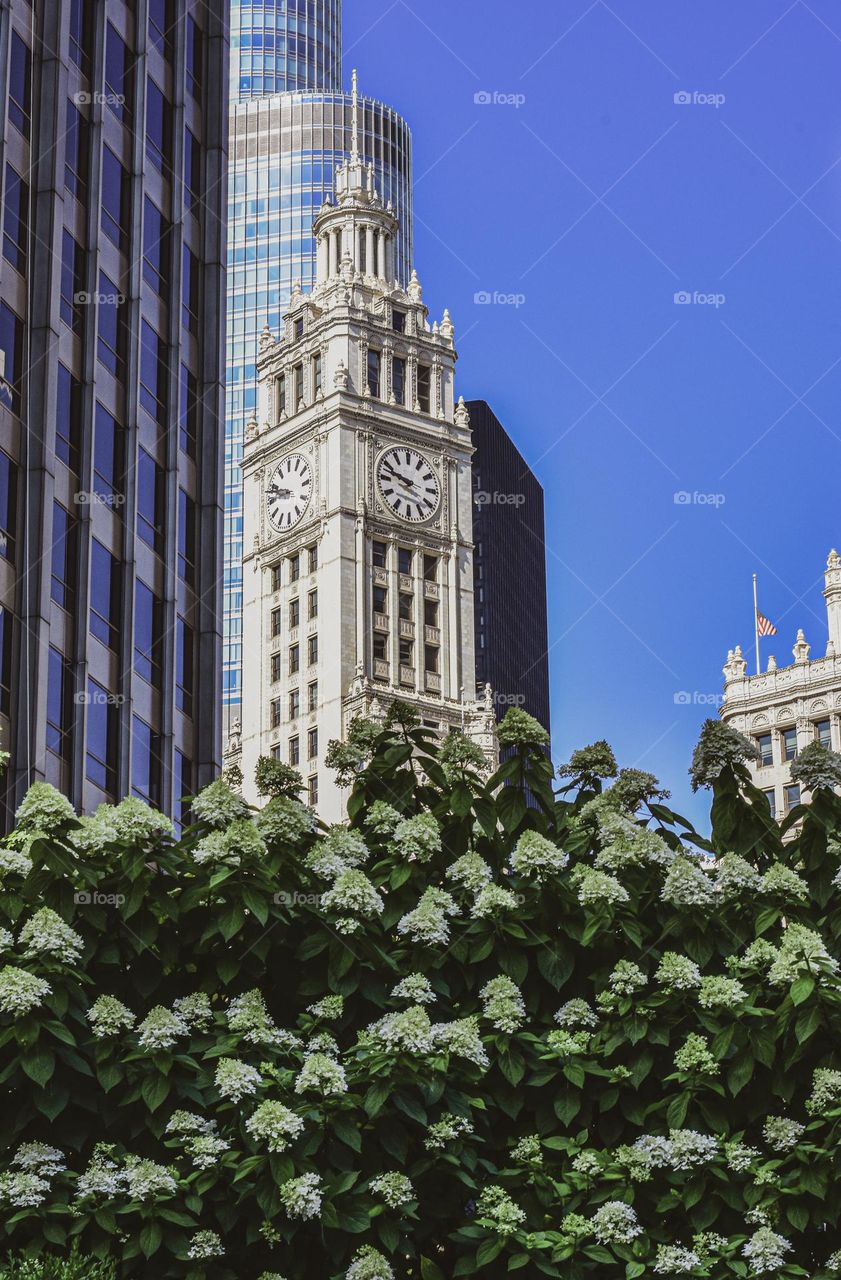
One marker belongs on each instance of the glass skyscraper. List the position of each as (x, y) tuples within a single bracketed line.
[(278, 46), (284, 149), (111, 411)]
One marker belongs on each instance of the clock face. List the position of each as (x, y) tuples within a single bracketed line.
[(288, 492), (408, 484)]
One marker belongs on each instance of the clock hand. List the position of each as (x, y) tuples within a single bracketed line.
[(280, 493)]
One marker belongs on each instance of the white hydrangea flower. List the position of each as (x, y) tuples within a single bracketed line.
[(133, 821), (462, 1039), (20, 991), (568, 1043), (628, 844), (802, 953), (14, 863), (195, 1010), (536, 858), (408, 1031), (323, 1042), (765, 1251), (595, 887), (201, 1140), (416, 988), (781, 882), (301, 1197), (394, 1189), (471, 871), (615, 1223), (160, 1029), (587, 1164), (103, 1176), (688, 885), (340, 850), (285, 821), (369, 1264), (45, 810), (108, 1016), (218, 805), (275, 1125), (626, 978), (235, 1079), (736, 878), (353, 891), (694, 1057), (826, 1092), (503, 1004), (833, 1262), (329, 1007), (419, 838), (382, 818), (40, 1159), (739, 1156), (46, 934), (576, 1014), (677, 973), (782, 1134), (499, 1210), (228, 848), (321, 1074), (23, 1190), (428, 922), (146, 1180), (493, 901), (674, 1260), (205, 1244), (445, 1130), (690, 1149), (528, 1151), (248, 1017), (721, 993)]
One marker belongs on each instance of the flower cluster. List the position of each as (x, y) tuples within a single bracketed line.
[(418, 838), (674, 1260), (321, 1074), (537, 858), (781, 882), (394, 1189), (146, 1180), (802, 952), (677, 973), (44, 809), (694, 1057), (46, 935), (492, 901), (218, 805), (720, 747), (428, 922), (340, 850), (568, 1043), (194, 1010), (826, 1092), (721, 993), (687, 885), (626, 978), (200, 1139), (160, 1029), (461, 1038), (20, 991), (353, 892), (274, 1125), (735, 877), (382, 818), (615, 1223), (302, 1197), (235, 1080), (285, 821), (739, 1156), (499, 1211), (247, 1016), (470, 870), (765, 1251), (503, 1004), (409, 1031), (328, 1007), (595, 887), (782, 1134), (108, 1016), (577, 1013), (416, 988), (205, 1244), (369, 1264), (445, 1130), (228, 848), (528, 1151)]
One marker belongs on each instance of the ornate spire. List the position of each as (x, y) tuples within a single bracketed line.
[(354, 147)]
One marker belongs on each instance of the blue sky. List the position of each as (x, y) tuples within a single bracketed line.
[(594, 201)]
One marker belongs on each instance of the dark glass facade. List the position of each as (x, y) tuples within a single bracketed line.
[(111, 404), (509, 571)]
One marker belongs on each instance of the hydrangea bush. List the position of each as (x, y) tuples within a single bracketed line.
[(481, 1029)]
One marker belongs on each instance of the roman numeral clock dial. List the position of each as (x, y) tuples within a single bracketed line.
[(408, 484), (288, 492)]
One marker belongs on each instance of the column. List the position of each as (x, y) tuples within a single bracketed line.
[(370, 260), (331, 252), (363, 612), (420, 637), (394, 612), (323, 258), (381, 256)]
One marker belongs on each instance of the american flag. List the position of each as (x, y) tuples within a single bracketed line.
[(764, 626)]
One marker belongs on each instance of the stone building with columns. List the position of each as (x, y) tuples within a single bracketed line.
[(785, 708), (358, 534)]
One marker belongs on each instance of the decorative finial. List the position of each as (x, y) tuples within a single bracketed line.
[(414, 290), (801, 649), (354, 148), (833, 560), (447, 328), (462, 414)]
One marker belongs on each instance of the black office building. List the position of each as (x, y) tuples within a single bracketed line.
[(509, 571)]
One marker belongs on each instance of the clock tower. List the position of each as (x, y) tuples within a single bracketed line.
[(358, 535)]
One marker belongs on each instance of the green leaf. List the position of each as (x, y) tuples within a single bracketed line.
[(801, 990), (39, 1065), (151, 1236), (153, 1090), (429, 1271), (488, 1250)]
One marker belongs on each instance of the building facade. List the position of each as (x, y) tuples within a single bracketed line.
[(285, 46), (112, 281), (358, 574), (284, 151), (785, 708), (509, 570)]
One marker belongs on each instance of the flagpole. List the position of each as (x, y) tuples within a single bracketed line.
[(756, 624)]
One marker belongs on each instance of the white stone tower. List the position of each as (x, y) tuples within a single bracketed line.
[(358, 538)]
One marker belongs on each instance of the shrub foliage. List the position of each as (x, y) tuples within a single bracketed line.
[(481, 1029)]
